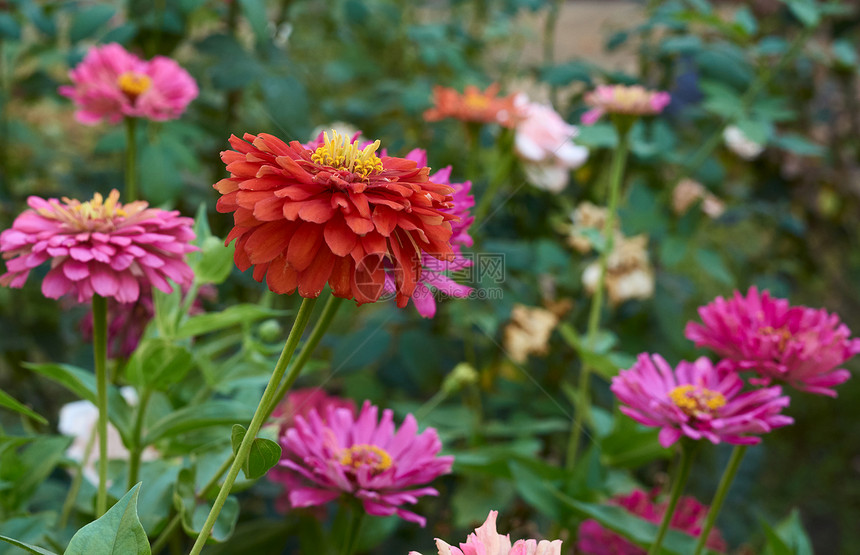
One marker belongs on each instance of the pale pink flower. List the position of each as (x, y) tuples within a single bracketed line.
[(98, 247), (485, 540), (797, 345), (111, 84), (697, 400), (435, 273), (545, 142), (689, 517), (364, 457), (634, 100)]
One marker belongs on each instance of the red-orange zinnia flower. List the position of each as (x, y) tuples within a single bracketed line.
[(306, 217), (473, 105)]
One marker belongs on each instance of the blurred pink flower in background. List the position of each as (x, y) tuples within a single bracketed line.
[(689, 517), (79, 420), (634, 100), (697, 400), (98, 247), (485, 540), (301, 402), (545, 142), (111, 83), (339, 453), (795, 344), (435, 272)]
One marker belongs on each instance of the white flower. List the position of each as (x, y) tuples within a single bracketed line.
[(740, 144)]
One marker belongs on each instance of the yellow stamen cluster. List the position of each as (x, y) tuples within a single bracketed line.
[(339, 153), (782, 334), (697, 401), (366, 455), (476, 101), (134, 84), (98, 213)]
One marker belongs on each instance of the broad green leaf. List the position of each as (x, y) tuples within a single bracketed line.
[(27, 547), (118, 531), (599, 135), (9, 402), (9, 27), (630, 444), (158, 363), (711, 263), (792, 533), (83, 384), (537, 489), (799, 145), (88, 20), (255, 13), (28, 468), (756, 130), (599, 362), (30, 529), (215, 261), (186, 419), (807, 11), (232, 316), (264, 453)]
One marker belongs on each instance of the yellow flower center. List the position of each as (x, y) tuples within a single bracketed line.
[(339, 153), (134, 84), (476, 101), (782, 334), (697, 401), (96, 214), (366, 455)]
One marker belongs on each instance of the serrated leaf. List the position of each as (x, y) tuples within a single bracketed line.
[(10, 403), (118, 531)]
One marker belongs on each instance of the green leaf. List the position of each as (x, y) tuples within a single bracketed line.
[(158, 363), (27, 547), (599, 135), (118, 531), (9, 402), (711, 262), (599, 362), (630, 444), (28, 468), (186, 419), (83, 384), (193, 512), (791, 532), (232, 316), (255, 13), (756, 130), (264, 453), (88, 20), (535, 487), (799, 145), (805, 10), (9, 28), (215, 261)]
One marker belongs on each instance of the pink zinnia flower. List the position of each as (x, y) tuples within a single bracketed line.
[(795, 344), (111, 83), (485, 540), (633, 100), (98, 247), (301, 402), (689, 517), (337, 454), (435, 272), (697, 400), (545, 142)]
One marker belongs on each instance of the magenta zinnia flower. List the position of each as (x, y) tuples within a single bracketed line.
[(112, 83), (301, 402), (485, 540), (697, 400), (689, 517), (338, 453), (98, 247), (435, 272), (795, 344), (634, 100)]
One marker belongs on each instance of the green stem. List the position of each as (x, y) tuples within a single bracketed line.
[(549, 44), (322, 325), (503, 169), (100, 356), (137, 448), (722, 489), (354, 531), (431, 404), (166, 534), (583, 406), (677, 487), (256, 422), (130, 160), (75, 486)]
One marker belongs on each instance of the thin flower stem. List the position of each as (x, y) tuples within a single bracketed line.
[(722, 489), (256, 422), (549, 44), (319, 329), (166, 534), (78, 478), (137, 448), (130, 160), (354, 531), (503, 169), (583, 405), (100, 356), (677, 487)]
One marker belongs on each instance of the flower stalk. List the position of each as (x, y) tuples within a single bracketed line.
[(130, 159), (257, 421), (137, 432), (356, 519), (583, 405), (683, 472), (100, 356), (720, 496)]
